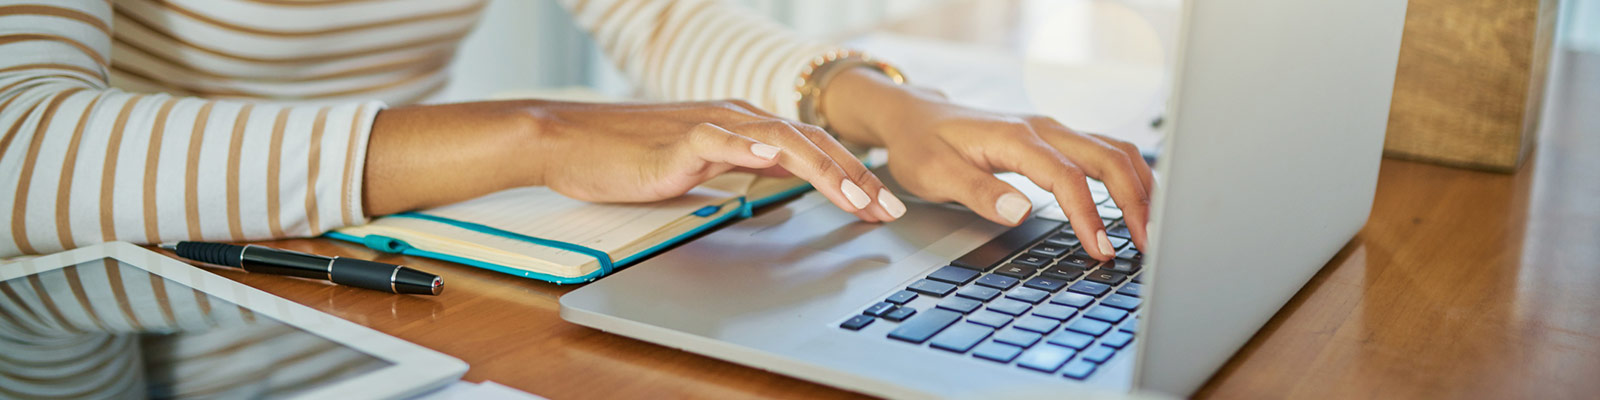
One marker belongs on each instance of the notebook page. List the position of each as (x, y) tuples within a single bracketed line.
[(543, 213)]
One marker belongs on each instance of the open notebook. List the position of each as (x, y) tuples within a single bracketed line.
[(537, 233)]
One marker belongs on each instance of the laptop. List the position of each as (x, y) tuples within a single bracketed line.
[(1274, 133)]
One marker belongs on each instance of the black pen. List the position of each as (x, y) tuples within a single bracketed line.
[(344, 271)]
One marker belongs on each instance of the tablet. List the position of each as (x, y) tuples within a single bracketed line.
[(119, 321)]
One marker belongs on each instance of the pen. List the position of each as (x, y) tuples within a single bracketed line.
[(344, 271)]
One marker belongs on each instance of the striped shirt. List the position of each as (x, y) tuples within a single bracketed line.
[(236, 120)]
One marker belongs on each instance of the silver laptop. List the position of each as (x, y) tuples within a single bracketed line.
[(1275, 130)]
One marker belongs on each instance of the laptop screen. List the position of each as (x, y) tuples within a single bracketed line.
[(103, 329)]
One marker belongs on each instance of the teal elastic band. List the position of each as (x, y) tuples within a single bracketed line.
[(605, 259)]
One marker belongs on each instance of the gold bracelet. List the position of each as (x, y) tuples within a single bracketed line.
[(822, 69)]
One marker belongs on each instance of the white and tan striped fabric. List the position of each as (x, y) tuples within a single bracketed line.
[(236, 120)]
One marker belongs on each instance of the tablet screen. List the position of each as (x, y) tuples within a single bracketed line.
[(103, 329)]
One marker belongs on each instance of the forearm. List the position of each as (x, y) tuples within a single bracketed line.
[(862, 105), (424, 156)]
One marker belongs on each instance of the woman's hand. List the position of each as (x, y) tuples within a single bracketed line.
[(941, 151), (424, 156)]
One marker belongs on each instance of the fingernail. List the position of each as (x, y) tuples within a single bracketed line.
[(1105, 244), (854, 193), (891, 204), (1012, 207), (765, 151)]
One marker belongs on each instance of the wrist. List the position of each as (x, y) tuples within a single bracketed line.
[(863, 106)]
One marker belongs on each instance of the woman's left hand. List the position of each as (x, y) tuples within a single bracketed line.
[(942, 151)]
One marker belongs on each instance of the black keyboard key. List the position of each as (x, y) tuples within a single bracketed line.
[(1062, 273), (1119, 231), (1070, 339), (1121, 301), (953, 274), (1032, 260), (990, 319), (1055, 311), (1117, 339), (1036, 324), (900, 314), (1078, 369), (877, 310), (1089, 327), (1109, 211), (1116, 241), (1067, 240), (1130, 327), (996, 250), (857, 322), (961, 337), (1030, 295), (1049, 250), (1098, 354), (1090, 288), (979, 293), (1138, 278), (996, 351), (1106, 277), (997, 281), (1131, 289), (932, 288), (1045, 283), (902, 297), (1009, 307), (1107, 314), (1074, 300), (1017, 337), (1131, 253), (960, 304), (1078, 259), (924, 325), (1045, 358), (1015, 270), (1121, 265)]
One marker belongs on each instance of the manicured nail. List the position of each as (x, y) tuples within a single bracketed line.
[(1012, 207), (891, 204), (854, 193), (1105, 244), (765, 151)]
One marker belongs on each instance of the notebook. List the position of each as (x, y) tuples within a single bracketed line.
[(537, 233)]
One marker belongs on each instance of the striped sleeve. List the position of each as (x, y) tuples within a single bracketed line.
[(83, 163), (700, 50)]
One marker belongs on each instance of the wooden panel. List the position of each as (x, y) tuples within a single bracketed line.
[(1469, 81)]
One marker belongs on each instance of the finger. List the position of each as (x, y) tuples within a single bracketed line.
[(1025, 153), (1111, 165), (1137, 221), (886, 206), (946, 177), (801, 157), (1146, 175), (714, 144)]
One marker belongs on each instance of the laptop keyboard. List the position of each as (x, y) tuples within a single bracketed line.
[(1031, 297)]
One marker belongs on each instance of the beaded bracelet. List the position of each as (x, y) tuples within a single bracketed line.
[(814, 79)]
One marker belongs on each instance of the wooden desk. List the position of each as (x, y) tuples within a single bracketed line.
[(1462, 284)]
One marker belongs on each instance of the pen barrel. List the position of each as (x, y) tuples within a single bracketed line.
[(282, 262), (379, 276)]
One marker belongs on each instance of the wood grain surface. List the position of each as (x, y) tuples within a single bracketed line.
[(1468, 85)]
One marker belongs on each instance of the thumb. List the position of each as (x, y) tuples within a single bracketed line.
[(976, 189)]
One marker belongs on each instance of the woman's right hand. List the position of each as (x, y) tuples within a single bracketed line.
[(423, 156)]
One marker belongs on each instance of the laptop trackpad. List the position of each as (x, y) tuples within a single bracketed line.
[(814, 223)]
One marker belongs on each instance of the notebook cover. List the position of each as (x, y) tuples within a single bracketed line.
[(396, 246)]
